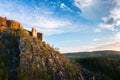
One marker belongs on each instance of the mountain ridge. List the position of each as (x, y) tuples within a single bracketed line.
[(104, 53)]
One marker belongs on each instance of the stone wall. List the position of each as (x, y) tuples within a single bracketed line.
[(35, 34), (40, 36), (4, 23), (14, 24)]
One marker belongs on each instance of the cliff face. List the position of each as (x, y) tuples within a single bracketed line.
[(39, 58), (23, 57)]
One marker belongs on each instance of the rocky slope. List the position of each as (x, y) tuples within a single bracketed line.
[(23, 57)]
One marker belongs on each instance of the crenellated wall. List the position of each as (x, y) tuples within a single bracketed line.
[(35, 34), (4, 23)]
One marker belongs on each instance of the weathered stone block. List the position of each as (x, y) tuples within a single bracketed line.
[(3, 21), (14, 24), (34, 32), (40, 36)]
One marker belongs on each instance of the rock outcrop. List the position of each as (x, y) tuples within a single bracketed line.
[(27, 58)]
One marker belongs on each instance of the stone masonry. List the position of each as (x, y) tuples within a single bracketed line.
[(4, 23)]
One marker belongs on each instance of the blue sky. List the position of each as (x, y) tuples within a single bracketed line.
[(70, 25)]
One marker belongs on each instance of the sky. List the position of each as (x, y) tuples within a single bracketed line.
[(70, 25)]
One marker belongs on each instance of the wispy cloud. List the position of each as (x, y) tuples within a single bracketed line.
[(112, 43), (83, 4), (36, 16), (113, 19), (50, 31), (97, 47), (62, 5), (107, 46), (94, 9), (48, 22)]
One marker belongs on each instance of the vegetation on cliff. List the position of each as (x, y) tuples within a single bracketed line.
[(23, 57)]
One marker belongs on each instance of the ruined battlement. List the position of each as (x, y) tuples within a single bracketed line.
[(34, 33), (4, 23)]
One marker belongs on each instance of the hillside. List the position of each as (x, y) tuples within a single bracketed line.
[(24, 57), (107, 54)]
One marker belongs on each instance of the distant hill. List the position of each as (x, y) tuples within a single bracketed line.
[(106, 53)]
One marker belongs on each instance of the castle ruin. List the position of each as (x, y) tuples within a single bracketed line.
[(4, 23), (34, 33)]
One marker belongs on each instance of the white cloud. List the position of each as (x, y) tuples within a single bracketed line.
[(94, 9), (111, 43), (48, 22), (63, 6), (113, 19), (115, 45), (107, 46), (40, 17), (50, 31), (107, 26), (83, 4)]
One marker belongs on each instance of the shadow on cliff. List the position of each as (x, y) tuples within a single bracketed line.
[(9, 55)]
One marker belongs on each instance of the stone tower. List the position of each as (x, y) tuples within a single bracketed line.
[(34, 32)]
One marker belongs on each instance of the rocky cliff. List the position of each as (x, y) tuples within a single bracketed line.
[(23, 57)]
